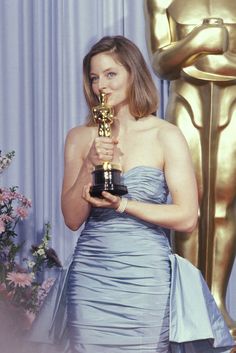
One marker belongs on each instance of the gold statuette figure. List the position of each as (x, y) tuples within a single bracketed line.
[(193, 45), (106, 177), (103, 116)]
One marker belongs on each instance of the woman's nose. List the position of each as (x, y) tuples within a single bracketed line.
[(101, 84)]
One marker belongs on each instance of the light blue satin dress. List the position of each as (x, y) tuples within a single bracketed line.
[(120, 282), (125, 291)]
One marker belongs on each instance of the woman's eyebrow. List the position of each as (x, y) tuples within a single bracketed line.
[(109, 69)]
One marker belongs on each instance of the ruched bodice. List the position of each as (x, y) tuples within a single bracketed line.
[(146, 184), (119, 265), (106, 228)]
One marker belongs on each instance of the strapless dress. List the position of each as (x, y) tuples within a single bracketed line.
[(125, 291)]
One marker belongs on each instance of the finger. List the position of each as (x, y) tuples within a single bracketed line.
[(99, 140), (86, 191), (115, 140), (114, 201), (94, 201), (108, 152), (98, 202), (104, 155), (108, 196), (108, 146), (105, 150)]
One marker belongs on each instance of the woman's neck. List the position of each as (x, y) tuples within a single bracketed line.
[(123, 116)]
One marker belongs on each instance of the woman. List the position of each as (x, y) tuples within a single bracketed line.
[(119, 285)]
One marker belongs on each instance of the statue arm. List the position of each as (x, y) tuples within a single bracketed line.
[(169, 57), (223, 66)]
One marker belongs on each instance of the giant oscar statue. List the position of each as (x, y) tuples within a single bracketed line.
[(193, 44)]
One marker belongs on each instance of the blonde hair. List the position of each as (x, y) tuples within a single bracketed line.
[(142, 92)]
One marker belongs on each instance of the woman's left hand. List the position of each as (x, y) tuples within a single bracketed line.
[(107, 201)]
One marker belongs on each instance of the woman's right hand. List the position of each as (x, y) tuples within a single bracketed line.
[(102, 150)]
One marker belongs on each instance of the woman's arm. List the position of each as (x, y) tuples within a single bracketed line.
[(83, 150), (181, 215), (77, 173)]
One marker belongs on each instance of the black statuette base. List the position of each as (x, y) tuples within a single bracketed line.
[(107, 180)]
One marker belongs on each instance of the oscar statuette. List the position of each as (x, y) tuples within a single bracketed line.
[(107, 176)]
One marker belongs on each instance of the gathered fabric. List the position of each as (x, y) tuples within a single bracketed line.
[(125, 291)]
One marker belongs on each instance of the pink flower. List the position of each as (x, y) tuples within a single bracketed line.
[(47, 284), (6, 195), (5, 218), (22, 212), (44, 290), (20, 279), (22, 199)]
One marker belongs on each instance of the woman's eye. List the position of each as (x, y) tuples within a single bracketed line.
[(93, 79), (111, 74)]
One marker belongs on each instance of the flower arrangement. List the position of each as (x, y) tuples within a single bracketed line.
[(21, 286)]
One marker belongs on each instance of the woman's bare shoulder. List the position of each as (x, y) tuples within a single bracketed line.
[(165, 128), (81, 134), (169, 135), (79, 140)]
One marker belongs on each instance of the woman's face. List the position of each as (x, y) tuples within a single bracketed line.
[(109, 76)]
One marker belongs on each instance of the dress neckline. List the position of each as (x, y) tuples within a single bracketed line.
[(144, 167)]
